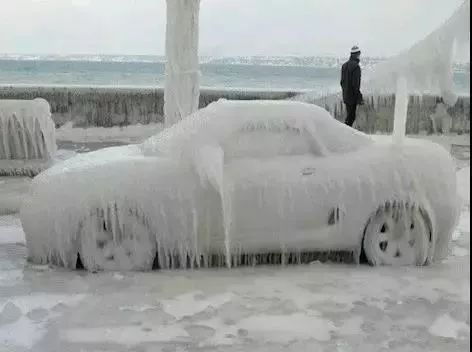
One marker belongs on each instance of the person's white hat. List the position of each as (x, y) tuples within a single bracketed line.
[(355, 49)]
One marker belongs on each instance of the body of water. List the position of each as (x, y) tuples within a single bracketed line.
[(44, 72)]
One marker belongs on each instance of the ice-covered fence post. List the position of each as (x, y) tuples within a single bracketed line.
[(27, 137), (401, 110), (182, 90)]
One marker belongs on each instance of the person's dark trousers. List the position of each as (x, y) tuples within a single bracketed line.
[(351, 114)]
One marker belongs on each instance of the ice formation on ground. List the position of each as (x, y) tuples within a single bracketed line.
[(27, 137), (182, 92), (235, 183)]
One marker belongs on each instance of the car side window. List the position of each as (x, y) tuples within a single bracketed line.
[(267, 140)]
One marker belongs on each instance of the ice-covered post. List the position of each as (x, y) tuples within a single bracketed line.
[(182, 83), (401, 110)]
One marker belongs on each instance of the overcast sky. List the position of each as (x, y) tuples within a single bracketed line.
[(227, 27)]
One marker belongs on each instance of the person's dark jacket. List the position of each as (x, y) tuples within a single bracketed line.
[(351, 82)]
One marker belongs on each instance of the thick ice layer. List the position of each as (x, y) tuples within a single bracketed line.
[(182, 83), (236, 183), (27, 136), (427, 65)]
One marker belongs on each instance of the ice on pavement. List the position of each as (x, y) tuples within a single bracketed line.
[(13, 191), (126, 134), (445, 326), (28, 317), (193, 303), (9, 230)]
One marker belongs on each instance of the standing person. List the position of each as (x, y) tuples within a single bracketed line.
[(351, 85)]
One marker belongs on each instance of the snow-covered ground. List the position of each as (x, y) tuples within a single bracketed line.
[(128, 134), (319, 307)]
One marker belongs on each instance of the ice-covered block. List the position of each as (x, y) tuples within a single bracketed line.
[(27, 137)]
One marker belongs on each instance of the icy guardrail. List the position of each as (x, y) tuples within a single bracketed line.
[(27, 137), (122, 106)]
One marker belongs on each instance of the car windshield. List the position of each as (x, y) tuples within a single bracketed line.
[(262, 127)]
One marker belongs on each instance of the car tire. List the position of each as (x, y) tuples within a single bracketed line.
[(397, 234), (113, 241)]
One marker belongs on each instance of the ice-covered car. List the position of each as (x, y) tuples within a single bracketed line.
[(245, 182)]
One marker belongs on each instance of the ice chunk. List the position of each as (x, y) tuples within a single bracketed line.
[(446, 326), (27, 137)]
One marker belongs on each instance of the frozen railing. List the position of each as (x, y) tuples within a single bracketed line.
[(107, 107)]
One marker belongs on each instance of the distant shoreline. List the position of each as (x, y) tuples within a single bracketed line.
[(320, 62)]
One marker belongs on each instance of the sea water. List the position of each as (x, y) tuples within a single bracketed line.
[(252, 76)]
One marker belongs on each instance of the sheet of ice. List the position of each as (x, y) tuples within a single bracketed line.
[(182, 83), (278, 329), (13, 190), (127, 134), (446, 326), (28, 317), (27, 136), (10, 233), (192, 303), (134, 335), (286, 329)]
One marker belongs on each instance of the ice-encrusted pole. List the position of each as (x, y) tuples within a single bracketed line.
[(401, 110), (428, 64), (182, 86)]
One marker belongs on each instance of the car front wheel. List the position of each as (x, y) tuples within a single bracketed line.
[(397, 234), (112, 240)]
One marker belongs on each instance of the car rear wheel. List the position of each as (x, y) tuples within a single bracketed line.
[(116, 241), (398, 234)]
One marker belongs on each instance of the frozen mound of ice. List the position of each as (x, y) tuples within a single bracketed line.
[(427, 66), (27, 137), (234, 183)]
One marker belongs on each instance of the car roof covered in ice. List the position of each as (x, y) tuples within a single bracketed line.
[(222, 119)]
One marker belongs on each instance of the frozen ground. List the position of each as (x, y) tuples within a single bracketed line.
[(319, 307)]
